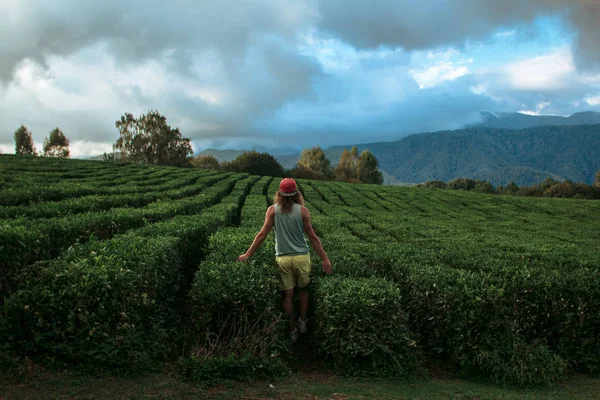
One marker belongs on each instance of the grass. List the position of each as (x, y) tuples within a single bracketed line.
[(305, 385)]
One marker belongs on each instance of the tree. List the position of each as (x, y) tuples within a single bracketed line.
[(149, 139), (24, 142), (597, 183), (462, 184), (206, 162), (347, 168), (56, 144), (368, 168), (313, 164), (255, 163)]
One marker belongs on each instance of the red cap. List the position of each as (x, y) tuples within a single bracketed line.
[(287, 187)]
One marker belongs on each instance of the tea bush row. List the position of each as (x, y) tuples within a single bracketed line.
[(112, 304), (26, 242)]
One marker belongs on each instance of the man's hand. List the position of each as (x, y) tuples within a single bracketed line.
[(327, 268), (243, 257)]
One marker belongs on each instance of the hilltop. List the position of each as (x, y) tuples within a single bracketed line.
[(525, 156)]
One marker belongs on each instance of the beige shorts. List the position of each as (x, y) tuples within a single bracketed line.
[(293, 271)]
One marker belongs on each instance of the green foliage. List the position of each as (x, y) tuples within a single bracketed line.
[(362, 327), (255, 163), (521, 364), (347, 168), (368, 168), (597, 181), (313, 164), (502, 288), (484, 187), (435, 185), (462, 184), (56, 144), (107, 304), (149, 139), (24, 142), (206, 162)]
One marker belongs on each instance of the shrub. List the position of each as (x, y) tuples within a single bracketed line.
[(234, 316), (462, 184), (484, 187), (519, 363), (255, 163), (106, 304), (362, 327), (436, 185)]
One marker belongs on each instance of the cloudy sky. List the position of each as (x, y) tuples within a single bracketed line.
[(288, 74)]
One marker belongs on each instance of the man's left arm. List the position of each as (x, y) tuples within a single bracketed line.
[(260, 237)]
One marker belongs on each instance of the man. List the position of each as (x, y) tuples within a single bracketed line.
[(291, 220)]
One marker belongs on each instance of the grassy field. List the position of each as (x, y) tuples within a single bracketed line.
[(111, 267), (315, 385)]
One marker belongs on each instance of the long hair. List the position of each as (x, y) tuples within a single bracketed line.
[(286, 202)]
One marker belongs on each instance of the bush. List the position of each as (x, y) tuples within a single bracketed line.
[(362, 327), (234, 316), (303, 173), (520, 364), (568, 189), (105, 305), (436, 185), (462, 184), (484, 187), (255, 163)]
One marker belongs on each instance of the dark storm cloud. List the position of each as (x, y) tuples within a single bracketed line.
[(433, 23), (140, 29)]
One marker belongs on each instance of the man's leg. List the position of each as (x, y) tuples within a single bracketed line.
[(288, 307)]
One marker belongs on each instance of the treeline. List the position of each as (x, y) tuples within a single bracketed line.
[(313, 164), (149, 139), (548, 188), (55, 145)]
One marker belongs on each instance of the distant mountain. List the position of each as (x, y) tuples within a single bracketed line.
[(524, 156), (524, 121)]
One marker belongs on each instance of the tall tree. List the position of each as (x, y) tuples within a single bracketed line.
[(206, 162), (314, 163), (24, 142), (255, 163), (347, 168), (597, 183), (149, 139), (368, 168), (56, 144)]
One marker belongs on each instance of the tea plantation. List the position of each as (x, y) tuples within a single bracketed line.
[(117, 266)]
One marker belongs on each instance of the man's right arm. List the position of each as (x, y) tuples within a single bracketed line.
[(315, 242)]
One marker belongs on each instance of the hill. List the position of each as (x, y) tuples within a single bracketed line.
[(93, 251), (530, 155), (524, 121), (525, 156)]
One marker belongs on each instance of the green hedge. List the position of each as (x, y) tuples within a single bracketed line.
[(105, 305), (362, 328), (468, 319), (25, 242), (114, 303)]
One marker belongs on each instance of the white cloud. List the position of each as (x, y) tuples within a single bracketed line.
[(593, 101), (548, 72), (506, 33), (436, 74)]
